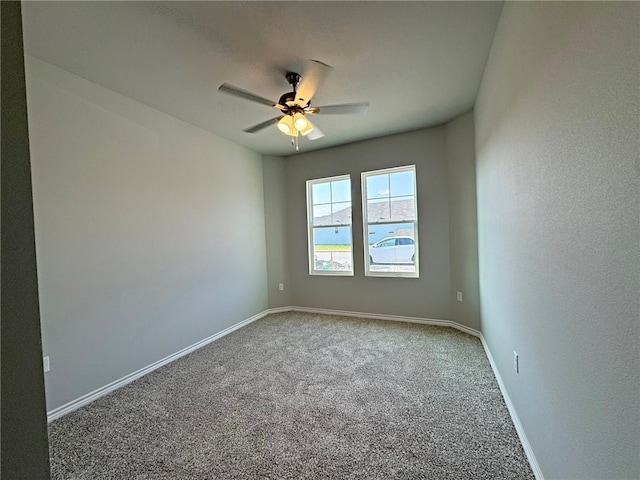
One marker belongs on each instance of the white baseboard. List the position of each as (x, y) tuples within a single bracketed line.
[(533, 462), (91, 396), (278, 310), (393, 318)]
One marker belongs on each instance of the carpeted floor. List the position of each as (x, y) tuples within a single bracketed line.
[(303, 396)]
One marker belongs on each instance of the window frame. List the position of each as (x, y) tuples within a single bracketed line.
[(311, 227), (365, 222)]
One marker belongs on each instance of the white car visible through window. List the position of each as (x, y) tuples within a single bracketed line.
[(393, 250)]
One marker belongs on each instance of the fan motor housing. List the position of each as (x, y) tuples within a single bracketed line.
[(287, 97), (288, 100)]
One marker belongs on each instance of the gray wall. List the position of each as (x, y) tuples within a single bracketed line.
[(25, 452), (275, 214), (428, 296), (150, 232), (558, 187), (463, 232)]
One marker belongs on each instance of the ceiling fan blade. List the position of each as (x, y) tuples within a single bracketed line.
[(238, 92), (341, 109), (262, 125), (315, 133), (313, 76)]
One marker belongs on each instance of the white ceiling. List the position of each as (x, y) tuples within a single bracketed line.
[(419, 64)]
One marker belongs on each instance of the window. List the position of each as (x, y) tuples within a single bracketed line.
[(329, 222), (390, 215)]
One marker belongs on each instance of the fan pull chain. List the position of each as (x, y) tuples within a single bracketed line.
[(297, 149)]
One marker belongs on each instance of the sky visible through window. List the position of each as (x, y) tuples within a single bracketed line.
[(330, 197), (392, 185)]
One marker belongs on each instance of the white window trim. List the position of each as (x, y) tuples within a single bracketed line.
[(310, 251), (365, 223)]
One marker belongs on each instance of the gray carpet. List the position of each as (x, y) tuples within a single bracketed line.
[(299, 396)]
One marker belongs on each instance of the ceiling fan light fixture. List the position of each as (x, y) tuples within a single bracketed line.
[(300, 122), (286, 125), (307, 129)]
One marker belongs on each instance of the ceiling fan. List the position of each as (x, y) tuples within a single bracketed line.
[(296, 105)]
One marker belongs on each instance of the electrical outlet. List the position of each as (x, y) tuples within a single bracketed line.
[(46, 364), (516, 363), (281, 286), (459, 296)]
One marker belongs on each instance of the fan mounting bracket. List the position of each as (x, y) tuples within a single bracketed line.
[(294, 79)]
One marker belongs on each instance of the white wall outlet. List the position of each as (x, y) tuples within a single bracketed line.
[(281, 286), (516, 363), (46, 364), (459, 296)]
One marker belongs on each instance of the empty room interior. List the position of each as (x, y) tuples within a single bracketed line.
[(377, 240)]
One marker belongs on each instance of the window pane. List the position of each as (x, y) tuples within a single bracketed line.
[(321, 193), (395, 251), (380, 232), (332, 249), (378, 186), (390, 222), (401, 184), (330, 244), (378, 211), (341, 213), (403, 208), (341, 191), (322, 215)]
